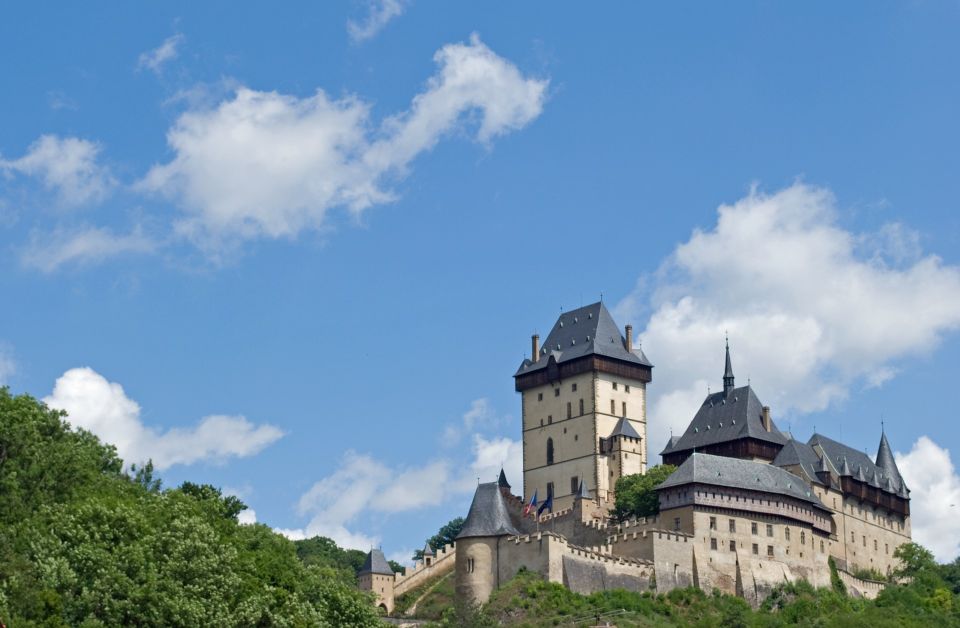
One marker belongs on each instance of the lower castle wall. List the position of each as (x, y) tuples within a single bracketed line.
[(442, 563), (859, 587)]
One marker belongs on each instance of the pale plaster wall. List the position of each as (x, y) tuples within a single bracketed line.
[(382, 587)]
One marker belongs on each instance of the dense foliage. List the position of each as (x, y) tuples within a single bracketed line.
[(445, 536), (636, 496), (84, 544), (528, 600)]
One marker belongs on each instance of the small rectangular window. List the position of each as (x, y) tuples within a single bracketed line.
[(864, 541), (733, 545), (614, 385), (786, 533), (769, 551), (569, 410), (549, 419), (626, 388), (624, 413), (613, 407), (713, 523), (676, 523), (539, 396), (713, 544), (769, 530), (821, 546), (581, 406), (574, 484), (756, 549), (573, 387), (733, 525), (753, 527), (556, 392)]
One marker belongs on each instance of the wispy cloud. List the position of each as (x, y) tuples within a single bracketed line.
[(155, 59), (48, 252), (67, 166), (379, 14)]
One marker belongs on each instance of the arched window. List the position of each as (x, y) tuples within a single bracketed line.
[(549, 451)]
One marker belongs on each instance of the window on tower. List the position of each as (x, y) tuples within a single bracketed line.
[(581, 406), (549, 451), (556, 392), (613, 407), (574, 484), (624, 408), (569, 410), (573, 387)]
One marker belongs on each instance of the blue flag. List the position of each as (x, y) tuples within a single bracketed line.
[(547, 503)]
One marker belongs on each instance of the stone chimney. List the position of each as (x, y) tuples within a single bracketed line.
[(535, 347), (629, 330), (766, 418)]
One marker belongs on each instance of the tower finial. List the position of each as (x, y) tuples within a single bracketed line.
[(728, 372)]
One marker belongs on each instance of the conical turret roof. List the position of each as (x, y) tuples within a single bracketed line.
[(376, 563), (488, 514), (886, 461)]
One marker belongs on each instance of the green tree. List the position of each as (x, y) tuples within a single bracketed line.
[(914, 560), (636, 496), (445, 536)]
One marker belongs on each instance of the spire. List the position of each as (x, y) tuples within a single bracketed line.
[(728, 373), (846, 468), (885, 460), (502, 481), (581, 492), (427, 550)]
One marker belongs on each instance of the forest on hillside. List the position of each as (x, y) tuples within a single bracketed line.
[(84, 542)]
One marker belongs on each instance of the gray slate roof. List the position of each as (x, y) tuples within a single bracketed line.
[(589, 330), (502, 480), (795, 452), (858, 464), (624, 428), (723, 418), (743, 474), (488, 514), (377, 563), (427, 550), (886, 463), (671, 444)]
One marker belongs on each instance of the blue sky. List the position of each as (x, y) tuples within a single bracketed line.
[(298, 253)]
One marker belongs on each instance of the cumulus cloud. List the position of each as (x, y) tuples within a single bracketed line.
[(363, 485), (247, 517), (67, 166), (155, 59), (102, 407), (811, 308), (264, 164), (379, 14), (48, 252), (934, 497)]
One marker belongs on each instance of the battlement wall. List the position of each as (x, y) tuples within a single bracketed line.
[(442, 563), (869, 589)]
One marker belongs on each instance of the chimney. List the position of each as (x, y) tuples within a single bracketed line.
[(629, 329), (535, 348), (766, 418)]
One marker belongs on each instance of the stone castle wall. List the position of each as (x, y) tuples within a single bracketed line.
[(411, 578)]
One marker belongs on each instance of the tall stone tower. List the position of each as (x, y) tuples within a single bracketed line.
[(584, 395)]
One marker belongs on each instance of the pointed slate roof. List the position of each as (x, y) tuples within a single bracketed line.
[(589, 330), (624, 428), (427, 550), (376, 563), (488, 514), (582, 492), (671, 444), (743, 474), (845, 469), (886, 462), (722, 418), (502, 480)]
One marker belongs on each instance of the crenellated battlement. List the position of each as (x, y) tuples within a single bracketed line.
[(443, 562)]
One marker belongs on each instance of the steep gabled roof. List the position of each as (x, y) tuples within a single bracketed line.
[(727, 417), (502, 480), (671, 445), (589, 330), (376, 563), (488, 514), (742, 474), (427, 550), (796, 453)]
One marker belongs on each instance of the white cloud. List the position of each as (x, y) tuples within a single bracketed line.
[(811, 308), (379, 14), (363, 485), (247, 517), (167, 51), (102, 407), (7, 364), (264, 164), (67, 166), (934, 497), (479, 416), (48, 252)]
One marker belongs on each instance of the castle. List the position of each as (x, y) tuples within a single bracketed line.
[(747, 508)]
